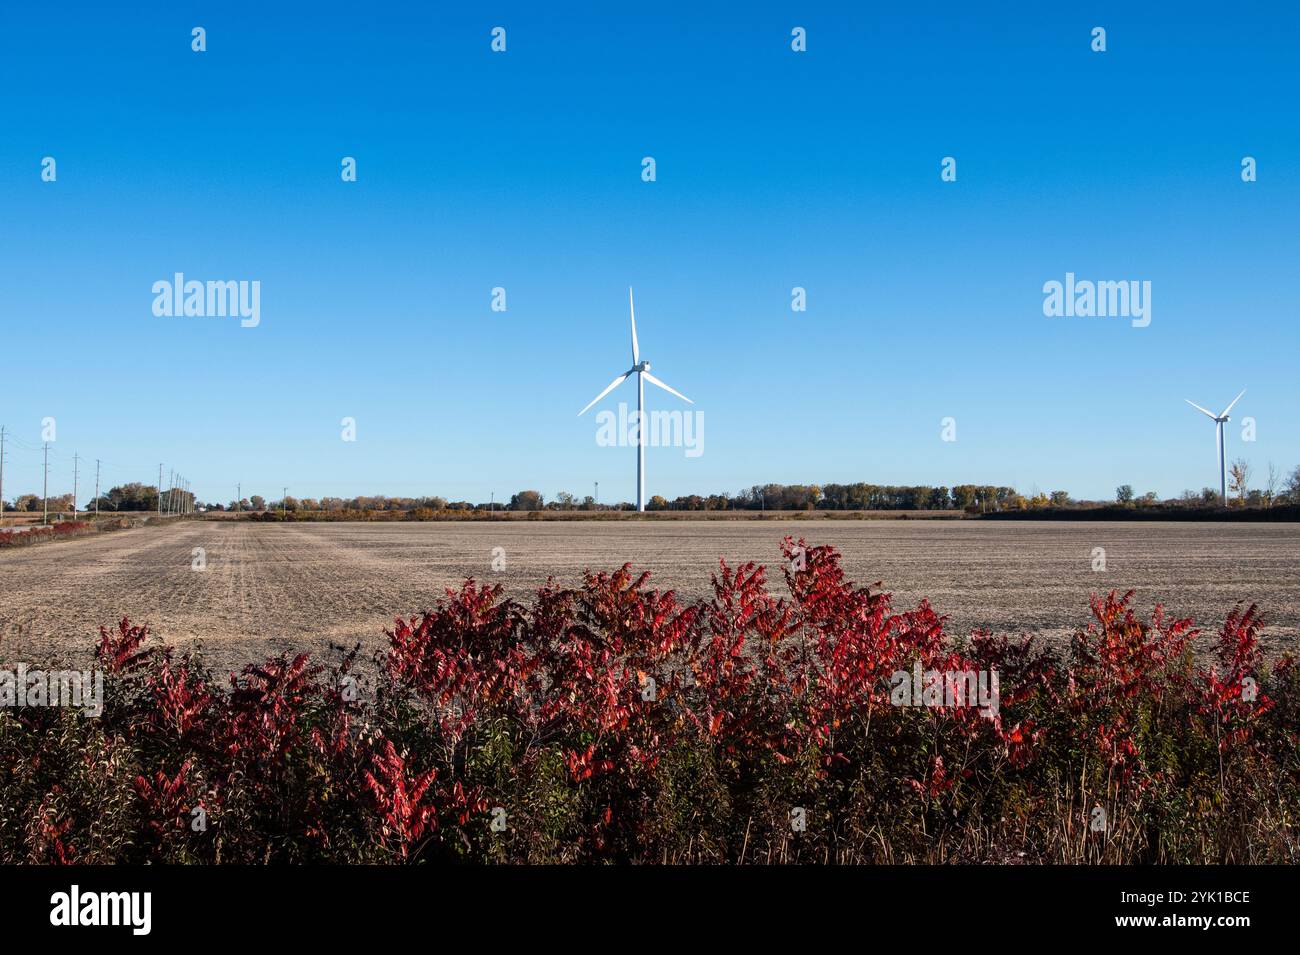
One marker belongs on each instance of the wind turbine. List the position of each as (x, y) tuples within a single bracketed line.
[(1219, 421), (642, 371)]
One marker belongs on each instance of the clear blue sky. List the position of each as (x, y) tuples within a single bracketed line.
[(522, 170)]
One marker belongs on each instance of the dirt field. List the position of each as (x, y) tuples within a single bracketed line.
[(300, 586)]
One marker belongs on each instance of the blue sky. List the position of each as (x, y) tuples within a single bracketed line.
[(523, 170)]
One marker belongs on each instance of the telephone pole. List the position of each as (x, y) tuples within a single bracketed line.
[(75, 461), (282, 497), (96, 488), (160, 490), (2, 476), (239, 496), (45, 489)]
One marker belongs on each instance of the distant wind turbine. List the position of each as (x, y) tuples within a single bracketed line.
[(1219, 421), (642, 371)]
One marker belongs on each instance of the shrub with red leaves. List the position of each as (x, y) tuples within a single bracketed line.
[(119, 652), (1231, 698), (1121, 667)]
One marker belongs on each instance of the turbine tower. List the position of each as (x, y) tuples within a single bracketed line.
[(1219, 421), (642, 371)]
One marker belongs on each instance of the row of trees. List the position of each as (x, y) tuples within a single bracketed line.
[(1277, 488), (133, 497), (788, 497), (31, 503)]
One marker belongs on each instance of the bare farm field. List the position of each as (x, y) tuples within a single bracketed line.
[(272, 587)]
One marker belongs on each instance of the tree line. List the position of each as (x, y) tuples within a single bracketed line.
[(1277, 488)]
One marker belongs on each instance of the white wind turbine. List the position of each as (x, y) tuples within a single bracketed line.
[(642, 371), (1219, 421)]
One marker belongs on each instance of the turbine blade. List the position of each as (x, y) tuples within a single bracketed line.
[(1234, 401), (655, 381), (636, 352), (612, 385), (1202, 410)]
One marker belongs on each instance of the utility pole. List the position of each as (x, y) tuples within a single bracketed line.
[(45, 489), (597, 494), (75, 461), (282, 497), (160, 490), (239, 497), (97, 488), (2, 476)]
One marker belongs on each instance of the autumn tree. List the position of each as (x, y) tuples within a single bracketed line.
[(526, 501), (1291, 486), (1239, 479)]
